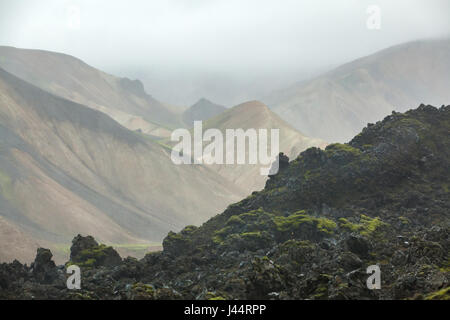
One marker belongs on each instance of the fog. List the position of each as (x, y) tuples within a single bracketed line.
[(224, 50)]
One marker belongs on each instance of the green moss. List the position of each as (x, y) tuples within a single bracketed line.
[(297, 244), (410, 122), (443, 294), (218, 240), (224, 231), (92, 257), (188, 230), (293, 222), (335, 148), (81, 296), (404, 220), (143, 291), (326, 225), (250, 235), (320, 293), (345, 224), (88, 263), (369, 227), (446, 266), (251, 214), (235, 220), (213, 296), (276, 191)]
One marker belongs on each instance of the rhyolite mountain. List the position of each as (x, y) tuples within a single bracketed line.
[(338, 104), (202, 110), (67, 169), (382, 198), (256, 115), (122, 99)]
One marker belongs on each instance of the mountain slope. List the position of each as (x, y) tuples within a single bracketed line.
[(201, 110), (65, 168), (338, 104), (121, 98), (256, 115)]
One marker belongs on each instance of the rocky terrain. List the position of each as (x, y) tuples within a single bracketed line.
[(382, 198)]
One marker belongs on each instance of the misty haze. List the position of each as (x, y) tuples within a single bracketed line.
[(94, 95)]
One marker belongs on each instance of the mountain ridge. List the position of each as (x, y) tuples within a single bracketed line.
[(202, 110), (122, 99), (336, 105), (256, 115), (67, 167)]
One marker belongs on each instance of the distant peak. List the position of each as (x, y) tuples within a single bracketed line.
[(253, 104), (204, 102)]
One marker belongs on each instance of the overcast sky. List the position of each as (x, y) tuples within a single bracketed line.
[(171, 41)]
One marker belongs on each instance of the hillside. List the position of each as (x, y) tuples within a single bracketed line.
[(122, 99), (202, 110), (256, 115), (382, 198), (337, 105), (65, 169)]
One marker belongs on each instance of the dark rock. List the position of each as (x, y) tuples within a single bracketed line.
[(80, 243), (87, 253), (349, 261), (44, 269), (358, 245)]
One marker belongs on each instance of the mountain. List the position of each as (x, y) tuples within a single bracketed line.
[(256, 115), (201, 110), (67, 169), (381, 200), (122, 99), (338, 104)]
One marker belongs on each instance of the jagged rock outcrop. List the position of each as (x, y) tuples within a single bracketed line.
[(43, 268), (86, 252)]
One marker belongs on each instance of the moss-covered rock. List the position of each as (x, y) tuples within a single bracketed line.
[(443, 294), (87, 253)]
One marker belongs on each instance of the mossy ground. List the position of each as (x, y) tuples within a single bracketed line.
[(367, 226)]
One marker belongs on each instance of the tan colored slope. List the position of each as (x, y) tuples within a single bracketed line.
[(122, 99), (256, 115), (12, 237), (338, 104), (67, 169)]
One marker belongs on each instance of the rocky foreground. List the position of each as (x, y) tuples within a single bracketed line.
[(382, 199)]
